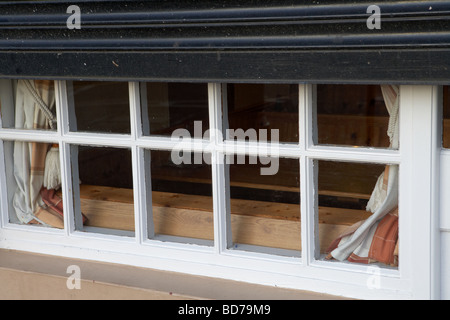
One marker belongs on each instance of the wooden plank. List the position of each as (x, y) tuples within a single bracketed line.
[(246, 229), (253, 222), (273, 210)]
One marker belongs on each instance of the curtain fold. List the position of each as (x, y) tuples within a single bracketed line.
[(34, 108), (376, 238)]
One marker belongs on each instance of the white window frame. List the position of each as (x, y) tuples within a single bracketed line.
[(417, 276)]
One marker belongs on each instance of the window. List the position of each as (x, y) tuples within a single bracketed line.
[(225, 173), (352, 115), (99, 106)]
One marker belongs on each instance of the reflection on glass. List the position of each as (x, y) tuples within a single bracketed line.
[(182, 196), (105, 189), (99, 106), (170, 106), (446, 125), (33, 179), (265, 205), (357, 198), (28, 104), (352, 115), (268, 107)]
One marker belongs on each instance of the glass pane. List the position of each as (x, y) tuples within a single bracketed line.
[(170, 106), (347, 199), (33, 179), (182, 196), (265, 204), (99, 106), (446, 126), (28, 104), (272, 108), (352, 115), (105, 188)]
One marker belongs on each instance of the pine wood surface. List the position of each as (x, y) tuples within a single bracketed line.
[(253, 222)]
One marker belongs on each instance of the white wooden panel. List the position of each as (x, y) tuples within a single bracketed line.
[(419, 190), (445, 191), (445, 265)]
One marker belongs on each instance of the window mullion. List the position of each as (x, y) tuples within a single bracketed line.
[(67, 169), (64, 107), (135, 110), (220, 178), (142, 193), (141, 174), (3, 188), (308, 174)]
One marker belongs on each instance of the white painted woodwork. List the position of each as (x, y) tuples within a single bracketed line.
[(418, 276)]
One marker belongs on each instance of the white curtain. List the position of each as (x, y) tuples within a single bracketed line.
[(35, 105), (358, 241)]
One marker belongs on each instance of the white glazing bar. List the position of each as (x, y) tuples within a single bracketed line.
[(68, 193), (337, 153), (143, 219), (3, 188), (29, 135), (72, 155), (308, 176), (370, 155), (226, 184), (99, 139), (224, 111), (215, 113), (62, 112), (62, 107), (222, 219), (138, 166), (169, 144), (135, 110), (148, 226), (143, 111), (258, 148), (307, 120)]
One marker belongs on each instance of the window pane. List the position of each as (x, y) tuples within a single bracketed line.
[(106, 189), (352, 115), (33, 180), (345, 190), (28, 104), (99, 106), (182, 196), (446, 126), (268, 107), (265, 205), (170, 106)]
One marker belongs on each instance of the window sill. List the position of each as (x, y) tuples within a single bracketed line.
[(44, 277)]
